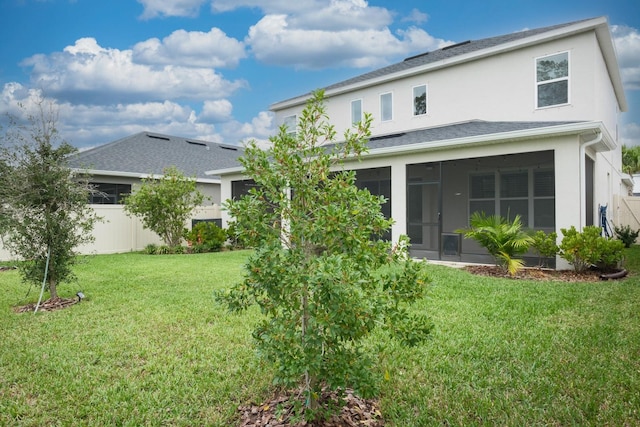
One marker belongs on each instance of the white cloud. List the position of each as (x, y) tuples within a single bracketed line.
[(157, 8), (192, 49), (416, 16), (272, 41), (311, 34), (91, 125), (216, 111), (100, 75), (627, 41), (341, 15)]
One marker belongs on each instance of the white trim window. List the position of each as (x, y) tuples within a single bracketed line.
[(386, 106), (291, 122), (552, 80), (419, 100), (356, 111)]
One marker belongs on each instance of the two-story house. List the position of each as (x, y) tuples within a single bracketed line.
[(525, 123)]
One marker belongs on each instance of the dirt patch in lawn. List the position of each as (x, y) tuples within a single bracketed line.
[(547, 275), (48, 305), (279, 411)]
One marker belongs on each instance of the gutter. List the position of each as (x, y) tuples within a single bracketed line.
[(583, 176), (138, 175)]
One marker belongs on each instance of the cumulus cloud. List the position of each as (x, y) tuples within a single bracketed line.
[(216, 111), (416, 16), (627, 41), (273, 41), (89, 125), (192, 49), (88, 72), (306, 34)]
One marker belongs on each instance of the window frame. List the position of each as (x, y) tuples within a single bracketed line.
[(291, 130), (382, 105), (566, 78), (353, 120), (100, 196), (426, 99)]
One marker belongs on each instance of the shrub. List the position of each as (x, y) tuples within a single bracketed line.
[(590, 248), (163, 250), (503, 239), (627, 235), (236, 241), (208, 235), (545, 245), (151, 249)]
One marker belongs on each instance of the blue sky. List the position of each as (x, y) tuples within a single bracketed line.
[(210, 69)]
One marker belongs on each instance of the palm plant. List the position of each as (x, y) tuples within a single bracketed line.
[(502, 238)]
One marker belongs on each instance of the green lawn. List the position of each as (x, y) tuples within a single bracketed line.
[(149, 346)]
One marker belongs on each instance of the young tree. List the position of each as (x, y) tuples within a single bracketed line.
[(45, 212), (317, 268), (165, 203)]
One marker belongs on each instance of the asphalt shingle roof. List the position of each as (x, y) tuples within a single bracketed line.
[(468, 129), (448, 52), (151, 153)]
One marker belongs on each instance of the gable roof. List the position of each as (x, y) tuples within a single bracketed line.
[(148, 153), (475, 49)]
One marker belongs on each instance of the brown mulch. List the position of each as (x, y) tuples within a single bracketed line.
[(279, 411), (540, 274), (48, 305)]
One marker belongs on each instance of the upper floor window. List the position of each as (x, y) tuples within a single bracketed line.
[(552, 80), (356, 111), (386, 107), (291, 123), (420, 100)]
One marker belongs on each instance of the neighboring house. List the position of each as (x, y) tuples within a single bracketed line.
[(118, 167), (525, 123)]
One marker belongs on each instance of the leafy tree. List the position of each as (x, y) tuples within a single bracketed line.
[(501, 238), (631, 159), (316, 272), (164, 204), (45, 211)]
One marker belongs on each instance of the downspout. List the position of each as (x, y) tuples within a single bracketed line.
[(583, 177)]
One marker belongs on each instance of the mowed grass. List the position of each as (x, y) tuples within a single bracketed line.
[(149, 346)]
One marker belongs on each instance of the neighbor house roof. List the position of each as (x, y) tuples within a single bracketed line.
[(471, 132), (470, 50), (148, 153)]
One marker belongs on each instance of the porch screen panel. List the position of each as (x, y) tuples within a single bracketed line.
[(483, 193), (544, 202), (514, 195)]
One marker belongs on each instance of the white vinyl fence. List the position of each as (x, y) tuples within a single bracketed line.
[(121, 233)]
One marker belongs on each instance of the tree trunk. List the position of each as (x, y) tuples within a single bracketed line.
[(53, 291)]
